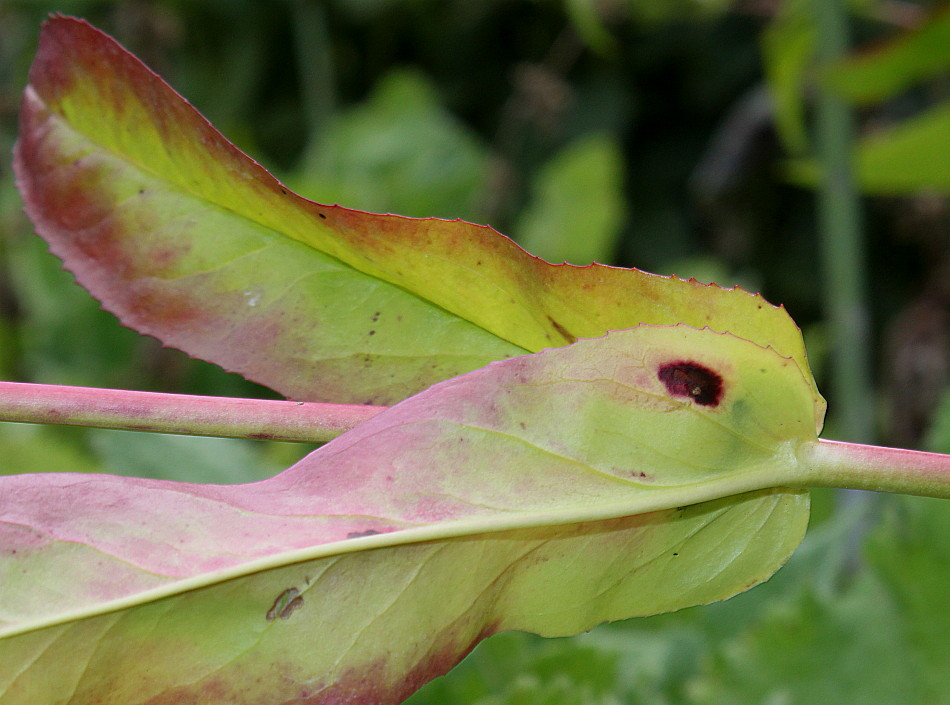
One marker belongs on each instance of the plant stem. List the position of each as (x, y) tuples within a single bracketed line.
[(842, 246), (864, 467), (259, 419)]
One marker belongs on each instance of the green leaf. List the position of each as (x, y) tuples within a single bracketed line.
[(399, 151), (633, 474), (788, 46), (185, 238), (809, 651), (882, 72), (160, 456), (586, 177), (907, 158), (910, 551), (587, 22)]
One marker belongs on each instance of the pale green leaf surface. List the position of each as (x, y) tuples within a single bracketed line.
[(545, 493), (185, 238)]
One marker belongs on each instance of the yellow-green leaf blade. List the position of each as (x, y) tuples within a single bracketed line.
[(187, 239)]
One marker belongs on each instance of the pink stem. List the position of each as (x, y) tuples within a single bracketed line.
[(863, 467), (179, 413)]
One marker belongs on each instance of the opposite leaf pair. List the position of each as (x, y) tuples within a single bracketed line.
[(627, 474)]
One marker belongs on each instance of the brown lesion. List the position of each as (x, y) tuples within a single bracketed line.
[(286, 604), (562, 331)]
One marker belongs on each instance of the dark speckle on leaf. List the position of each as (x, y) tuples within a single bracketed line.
[(562, 331), (361, 534), (690, 379), (322, 216)]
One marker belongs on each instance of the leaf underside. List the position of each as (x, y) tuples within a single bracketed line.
[(642, 472), (187, 239)]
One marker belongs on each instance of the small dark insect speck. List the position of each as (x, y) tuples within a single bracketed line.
[(675, 554), (322, 216), (372, 332), (690, 379), (283, 191), (361, 534)]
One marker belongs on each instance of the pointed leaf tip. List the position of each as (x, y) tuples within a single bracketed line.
[(187, 239)]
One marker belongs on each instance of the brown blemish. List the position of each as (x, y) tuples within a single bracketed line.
[(284, 604), (291, 607), (562, 331), (690, 379), (322, 216)]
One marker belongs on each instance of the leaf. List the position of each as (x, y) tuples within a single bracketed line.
[(788, 46), (400, 150), (628, 475), (910, 551), (587, 176), (883, 71), (185, 238), (907, 158), (808, 637)]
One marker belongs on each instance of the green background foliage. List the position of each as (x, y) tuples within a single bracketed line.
[(635, 133)]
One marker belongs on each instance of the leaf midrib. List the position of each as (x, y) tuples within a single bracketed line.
[(278, 236), (779, 475)]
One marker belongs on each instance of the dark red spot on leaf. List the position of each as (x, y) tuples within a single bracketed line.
[(690, 379)]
